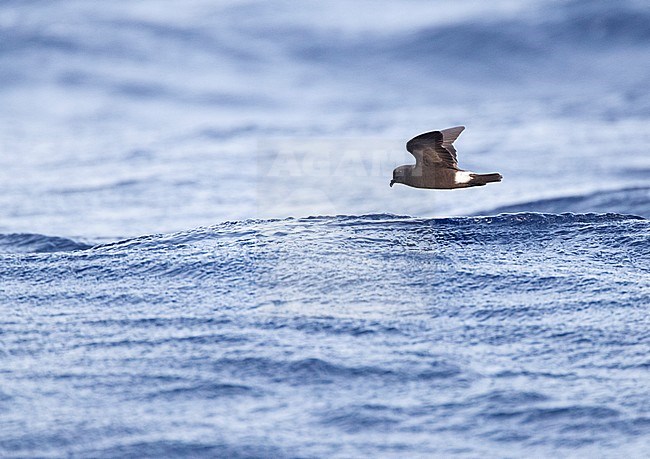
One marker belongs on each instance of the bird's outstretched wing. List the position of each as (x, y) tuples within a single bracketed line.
[(435, 148), (449, 136)]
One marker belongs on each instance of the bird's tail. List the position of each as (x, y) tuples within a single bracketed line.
[(482, 179)]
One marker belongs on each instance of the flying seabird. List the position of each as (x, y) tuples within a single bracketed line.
[(436, 165)]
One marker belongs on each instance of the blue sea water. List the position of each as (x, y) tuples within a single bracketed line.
[(200, 255)]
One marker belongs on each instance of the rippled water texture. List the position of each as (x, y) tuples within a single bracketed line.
[(200, 255), (333, 336)]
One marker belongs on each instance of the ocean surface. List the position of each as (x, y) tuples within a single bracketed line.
[(200, 255)]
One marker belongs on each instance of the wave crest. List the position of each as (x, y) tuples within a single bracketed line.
[(38, 243)]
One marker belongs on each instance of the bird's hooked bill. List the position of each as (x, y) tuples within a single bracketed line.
[(392, 182)]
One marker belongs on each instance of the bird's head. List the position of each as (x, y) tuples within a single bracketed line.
[(399, 174)]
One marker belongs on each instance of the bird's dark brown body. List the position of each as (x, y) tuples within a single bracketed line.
[(441, 179)]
